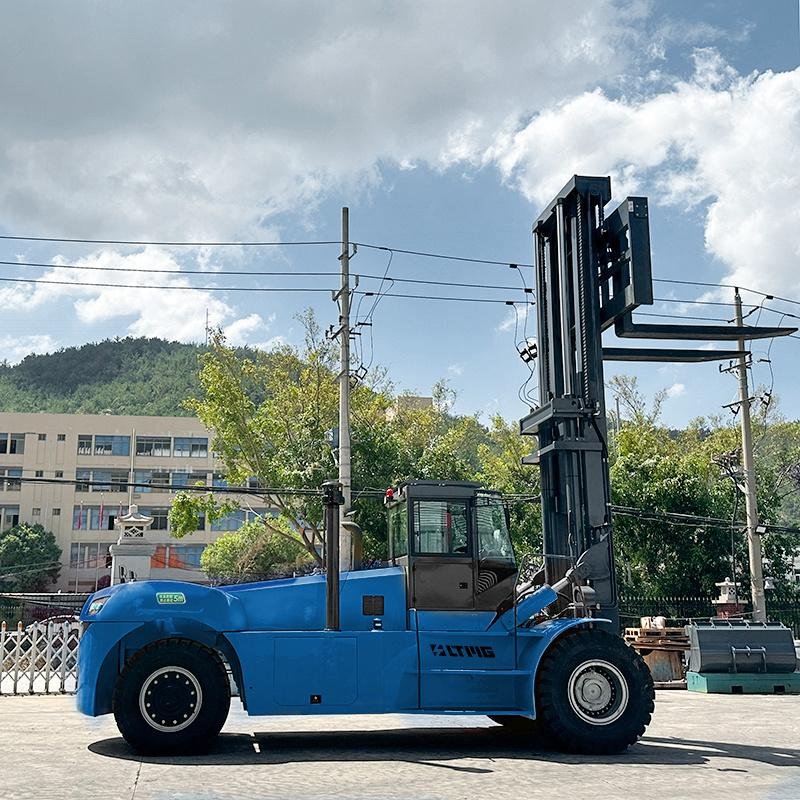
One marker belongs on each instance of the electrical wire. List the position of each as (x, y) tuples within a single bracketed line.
[(439, 297), (272, 273), (443, 256), (144, 243), (168, 286)]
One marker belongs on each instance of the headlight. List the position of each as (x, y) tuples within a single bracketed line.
[(96, 605)]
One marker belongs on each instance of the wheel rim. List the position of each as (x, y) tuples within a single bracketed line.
[(598, 692), (170, 699)]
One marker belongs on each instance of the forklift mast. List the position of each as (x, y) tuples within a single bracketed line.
[(592, 272), (570, 423)]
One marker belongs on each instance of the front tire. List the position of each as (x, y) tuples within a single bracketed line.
[(594, 694), (173, 696)]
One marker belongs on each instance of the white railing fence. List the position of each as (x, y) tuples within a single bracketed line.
[(39, 659)]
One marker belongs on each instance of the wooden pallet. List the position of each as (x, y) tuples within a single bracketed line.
[(657, 638)]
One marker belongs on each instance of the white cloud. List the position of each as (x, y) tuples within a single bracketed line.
[(171, 121), (240, 331), (516, 318), (14, 348), (676, 390), (172, 312), (729, 140), (455, 369)]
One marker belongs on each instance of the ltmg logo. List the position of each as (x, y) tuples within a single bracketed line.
[(463, 650)]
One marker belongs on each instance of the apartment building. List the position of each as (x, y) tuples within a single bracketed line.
[(102, 454)]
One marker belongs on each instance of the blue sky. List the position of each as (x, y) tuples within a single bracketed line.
[(444, 127)]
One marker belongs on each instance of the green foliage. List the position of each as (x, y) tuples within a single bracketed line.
[(252, 550), (661, 470), (123, 376), (29, 558), (187, 507), (501, 468)]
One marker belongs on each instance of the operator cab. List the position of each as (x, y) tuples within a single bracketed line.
[(453, 541)]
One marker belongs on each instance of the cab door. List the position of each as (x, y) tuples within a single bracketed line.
[(441, 559)]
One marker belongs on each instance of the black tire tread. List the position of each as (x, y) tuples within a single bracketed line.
[(156, 744), (601, 741)]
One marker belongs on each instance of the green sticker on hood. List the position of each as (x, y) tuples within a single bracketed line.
[(170, 598)]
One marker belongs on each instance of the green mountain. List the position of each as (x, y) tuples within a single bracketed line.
[(120, 376)]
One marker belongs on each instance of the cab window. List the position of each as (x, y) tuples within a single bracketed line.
[(397, 530), (494, 542), (440, 527)]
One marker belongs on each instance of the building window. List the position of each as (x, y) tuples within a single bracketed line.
[(39, 473), (153, 446), (142, 478), (9, 517), (190, 447), (189, 478), (219, 480), (82, 478), (150, 480), (62, 437), (119, 480), (93, 518), (6, 476), (86, 555), (56, 512), (42, 437), (177, 556), (159, 515), (112, 445), (59, 473), (12, 443), (36, 512), (230, 522), (84, 444)]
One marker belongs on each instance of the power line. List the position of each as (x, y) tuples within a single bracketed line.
[(142, 243), (272, 273), (441, 297), (692, 302), (167, 286), (443, 256), (766, 295)]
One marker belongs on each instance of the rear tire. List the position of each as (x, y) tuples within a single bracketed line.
[(173, 696), (594, 694)]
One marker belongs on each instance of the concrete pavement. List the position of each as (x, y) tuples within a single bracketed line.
[(699, 747)]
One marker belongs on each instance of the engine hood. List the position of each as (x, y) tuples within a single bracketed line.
[(288, 604)]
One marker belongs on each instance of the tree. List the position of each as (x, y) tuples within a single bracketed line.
[(661, 471), (29, 558), (501, 468), (251, 551), (272, 415)]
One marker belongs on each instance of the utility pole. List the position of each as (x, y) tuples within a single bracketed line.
[(749, 487), (344, 390)]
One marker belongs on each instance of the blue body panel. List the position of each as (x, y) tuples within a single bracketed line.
[(272, 635)]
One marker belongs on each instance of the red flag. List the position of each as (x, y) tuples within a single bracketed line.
[(80, 516), (102, 511)]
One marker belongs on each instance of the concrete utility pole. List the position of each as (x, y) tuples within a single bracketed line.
[(749, 487), (344, 390)]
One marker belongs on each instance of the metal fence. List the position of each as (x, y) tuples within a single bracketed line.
[(681, 610), (30, 607), (41, 658)]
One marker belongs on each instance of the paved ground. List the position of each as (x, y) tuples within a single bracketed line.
[(702, 747)]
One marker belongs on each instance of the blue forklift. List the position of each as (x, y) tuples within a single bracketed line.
[(453, 625)]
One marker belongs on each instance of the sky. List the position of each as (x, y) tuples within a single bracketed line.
[(445, 127)]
